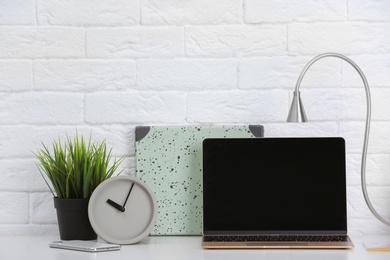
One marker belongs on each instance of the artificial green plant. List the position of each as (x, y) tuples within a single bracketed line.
[(76, 167)]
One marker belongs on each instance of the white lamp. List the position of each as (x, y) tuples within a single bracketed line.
[(297, 114)]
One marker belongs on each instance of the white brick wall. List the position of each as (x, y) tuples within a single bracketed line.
[(88, 12), (235, 40), (107, 66), (134, 42), (84, 75), (41, 42)]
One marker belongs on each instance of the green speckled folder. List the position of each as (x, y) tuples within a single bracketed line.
[(168, 159)]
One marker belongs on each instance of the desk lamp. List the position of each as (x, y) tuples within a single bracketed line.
[(297, 114)]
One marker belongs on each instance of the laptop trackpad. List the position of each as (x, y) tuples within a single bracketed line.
[(276, 244)]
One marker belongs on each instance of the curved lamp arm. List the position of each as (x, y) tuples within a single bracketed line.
[(297, 114)]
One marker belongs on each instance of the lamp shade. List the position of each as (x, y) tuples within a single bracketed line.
[(297, 112)]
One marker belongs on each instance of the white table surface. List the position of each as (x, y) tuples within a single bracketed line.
[(175, 247)]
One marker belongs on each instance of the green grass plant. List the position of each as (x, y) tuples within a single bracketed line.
[(76, 167)]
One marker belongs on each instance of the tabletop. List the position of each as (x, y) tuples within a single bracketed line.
[(176, 247)]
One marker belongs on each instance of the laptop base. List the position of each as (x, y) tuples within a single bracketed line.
[(279, 245), (280, 242)]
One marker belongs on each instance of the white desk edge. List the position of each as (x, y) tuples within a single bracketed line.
[(176, 247)]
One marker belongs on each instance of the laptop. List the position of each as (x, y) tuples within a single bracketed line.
[(274, 193)]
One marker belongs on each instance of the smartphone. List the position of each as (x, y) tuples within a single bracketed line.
[(86, 246)]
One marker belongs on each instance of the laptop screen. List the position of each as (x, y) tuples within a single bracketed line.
[(274, 185)]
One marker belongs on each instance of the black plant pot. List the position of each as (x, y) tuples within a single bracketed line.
[(73, 221)]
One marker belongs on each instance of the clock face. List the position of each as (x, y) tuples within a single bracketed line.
[(122, 210)]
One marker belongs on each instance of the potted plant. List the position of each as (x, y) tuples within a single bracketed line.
[(74, 169)]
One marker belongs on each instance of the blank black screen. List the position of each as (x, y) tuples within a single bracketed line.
[(274, 185)]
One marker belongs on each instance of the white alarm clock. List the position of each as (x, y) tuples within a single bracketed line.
[(122, 210)]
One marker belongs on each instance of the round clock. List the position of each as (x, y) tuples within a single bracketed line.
[(122, 210)]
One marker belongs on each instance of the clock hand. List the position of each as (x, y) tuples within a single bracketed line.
[(131, 188), (116, 205)]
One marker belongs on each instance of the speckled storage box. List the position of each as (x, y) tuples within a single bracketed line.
[(168, 159)]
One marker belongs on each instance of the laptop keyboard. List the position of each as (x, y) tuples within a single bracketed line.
[(267, 238)]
